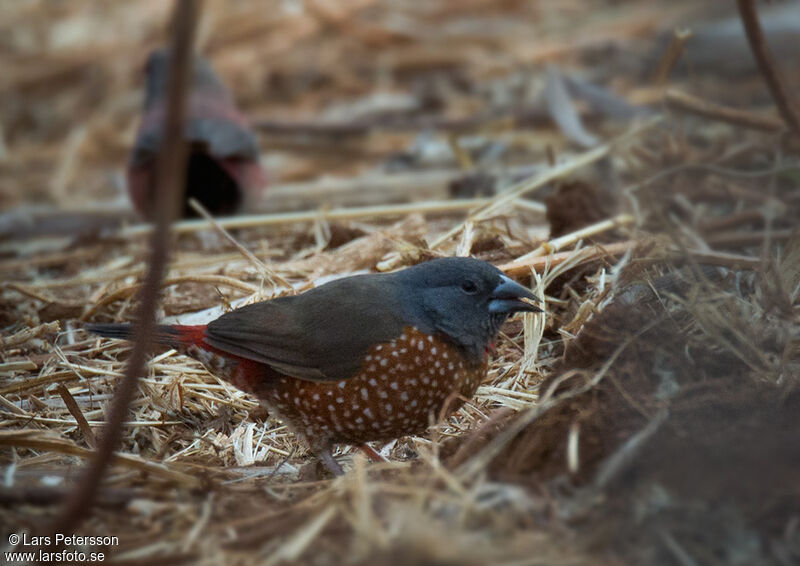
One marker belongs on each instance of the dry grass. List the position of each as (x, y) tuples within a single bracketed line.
[(649, 417)]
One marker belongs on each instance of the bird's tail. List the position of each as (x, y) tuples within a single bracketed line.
[(175, 336)]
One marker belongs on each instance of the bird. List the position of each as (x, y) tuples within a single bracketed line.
[(368, 357), (223, 171)]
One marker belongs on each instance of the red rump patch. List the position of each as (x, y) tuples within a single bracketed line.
[(192, 335)]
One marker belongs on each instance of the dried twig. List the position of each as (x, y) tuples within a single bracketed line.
[(686, 102), (766, 63), (28, 334), (38, 440), (265, 270), (573, 238), (671, 56), (76, 412), (170, 175), (522, 267), (11, 367), (38, 381), (249, 221)]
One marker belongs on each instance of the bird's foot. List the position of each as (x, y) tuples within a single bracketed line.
[(329, 462)]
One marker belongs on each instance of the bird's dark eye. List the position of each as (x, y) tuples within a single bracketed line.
[(469, 287)]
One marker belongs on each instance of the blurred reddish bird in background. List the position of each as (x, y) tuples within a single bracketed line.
[(223, 169)]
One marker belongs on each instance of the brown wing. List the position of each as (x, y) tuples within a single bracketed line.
[(319, 335)]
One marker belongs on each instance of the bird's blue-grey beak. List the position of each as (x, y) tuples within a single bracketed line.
[(508, 297)]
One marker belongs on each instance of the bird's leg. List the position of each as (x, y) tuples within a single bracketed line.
[(325, 456), (372, 454)]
